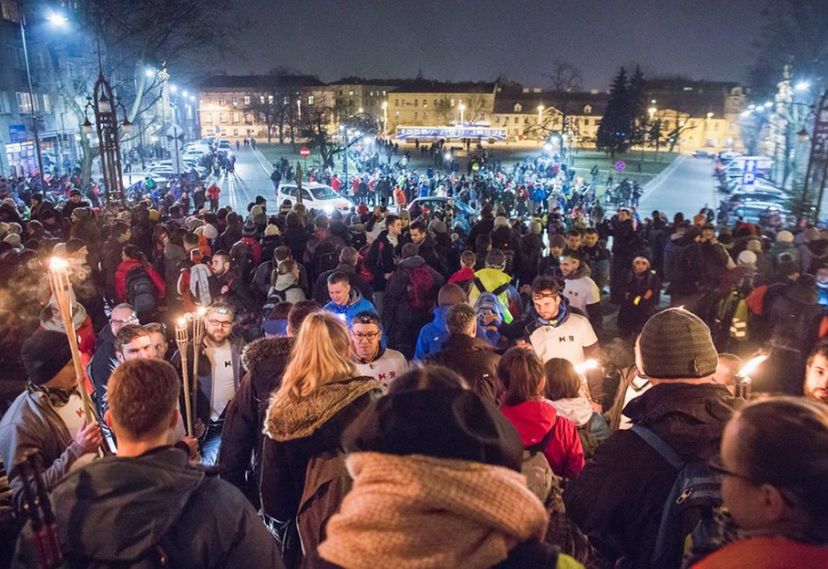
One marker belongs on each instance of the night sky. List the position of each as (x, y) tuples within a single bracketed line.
[(479, 39)]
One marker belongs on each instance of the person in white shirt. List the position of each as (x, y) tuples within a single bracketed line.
[(372, 360), (580, 289), (553, 330)]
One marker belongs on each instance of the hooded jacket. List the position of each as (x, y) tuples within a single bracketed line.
[(356, 304), (475, 360), (265, 360), (533, 420), (618, 498), (303, 469), (158, 499)]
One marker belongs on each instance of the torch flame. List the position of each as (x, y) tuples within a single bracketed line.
[(586, 366), (201, 311), (58, 264), (181, 322), (751, 366)]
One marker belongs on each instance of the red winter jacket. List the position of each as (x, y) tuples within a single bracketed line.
[(127, 266), (533, 419)]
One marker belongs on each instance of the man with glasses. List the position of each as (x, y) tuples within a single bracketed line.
[(619, 497), (554, 329), (383, 364), (219, 373), (104, 360)]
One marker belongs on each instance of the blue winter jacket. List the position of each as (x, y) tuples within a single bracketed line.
[(357, 304)]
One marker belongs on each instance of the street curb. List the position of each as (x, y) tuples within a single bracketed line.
[(656, 182)]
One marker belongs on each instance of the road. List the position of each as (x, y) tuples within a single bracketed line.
[(686, 186), (251, 179)]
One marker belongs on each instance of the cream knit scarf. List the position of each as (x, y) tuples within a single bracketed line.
[(415, 511)]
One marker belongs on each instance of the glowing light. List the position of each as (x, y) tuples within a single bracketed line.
[(173, 88), (769, 104), (584, 367), (752, 365), (149, 72), (58, 264), (802, 86), (447, 156), (181, 322), (201, 311), (57, 19)]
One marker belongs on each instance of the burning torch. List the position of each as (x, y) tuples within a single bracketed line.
[(744, 383), (182, 339)]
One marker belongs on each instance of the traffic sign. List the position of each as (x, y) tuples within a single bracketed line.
[(749, 173), (620, 165), (304, 151)]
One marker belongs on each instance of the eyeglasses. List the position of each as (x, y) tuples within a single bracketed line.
[(219, 323), (358, 336), (715, 465)]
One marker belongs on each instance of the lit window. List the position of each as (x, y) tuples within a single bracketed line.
[(261, 99), (222, 100), (247, 99), (311, 99), (518, 107), (587, 109)]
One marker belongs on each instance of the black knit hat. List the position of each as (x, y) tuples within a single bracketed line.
[(44, 354), (442, 423), (674, 344), (249, 229)]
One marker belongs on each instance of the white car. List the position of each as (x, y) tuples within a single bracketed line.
[(314, 196)]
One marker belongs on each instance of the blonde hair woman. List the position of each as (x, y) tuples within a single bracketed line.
[(303, 475)]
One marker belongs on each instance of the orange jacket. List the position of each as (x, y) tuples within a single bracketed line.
[(766, 553)]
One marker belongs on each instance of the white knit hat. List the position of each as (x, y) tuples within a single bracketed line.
[(747, 258)]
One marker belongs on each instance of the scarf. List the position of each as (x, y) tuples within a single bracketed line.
[(56, 396), (419, 512), (562, 316)]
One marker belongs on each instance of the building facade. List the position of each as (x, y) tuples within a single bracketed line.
[(431, 103)]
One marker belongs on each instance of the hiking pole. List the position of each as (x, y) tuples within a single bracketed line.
[(31, 510), (49, 519), (744, 383), (62, 291), (181, 340), (198, 338)]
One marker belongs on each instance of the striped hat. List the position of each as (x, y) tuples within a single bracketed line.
[(675, 344)]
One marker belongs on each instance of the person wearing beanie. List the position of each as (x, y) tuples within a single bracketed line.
[(619, 497), (784, 248), (48, 417), (271, 238), (642, 293), (429, 460)]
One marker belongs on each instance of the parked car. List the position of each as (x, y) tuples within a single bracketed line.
[(314, 196)]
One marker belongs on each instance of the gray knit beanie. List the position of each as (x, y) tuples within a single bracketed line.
[(675, 343)]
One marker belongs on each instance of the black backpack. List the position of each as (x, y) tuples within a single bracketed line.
[(141, 292), (326, 255), (242, 255)]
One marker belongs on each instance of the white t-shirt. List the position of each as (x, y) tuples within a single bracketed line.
[(567, 341), (582, 292), (72, 414), (386, 369), (224, 385)]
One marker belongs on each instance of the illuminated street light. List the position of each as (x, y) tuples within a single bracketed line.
[(652, 111), (802, 86), (540, 113), (185, 93), (173, 88), (57, 19)]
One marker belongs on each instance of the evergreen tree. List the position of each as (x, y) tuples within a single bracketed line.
[(637, 108), (614, 131)]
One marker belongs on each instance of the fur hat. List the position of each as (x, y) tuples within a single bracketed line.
[(675, 344), (271, 230), (501, 221)]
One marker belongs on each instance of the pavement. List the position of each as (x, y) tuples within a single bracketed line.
[(250, 179), (686, 185)]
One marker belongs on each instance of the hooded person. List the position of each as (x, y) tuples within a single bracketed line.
[(641, 296), (149, 506), (619, 497), (433, 334), (429, 460)]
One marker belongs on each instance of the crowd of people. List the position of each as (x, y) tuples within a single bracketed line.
[(391, 388)]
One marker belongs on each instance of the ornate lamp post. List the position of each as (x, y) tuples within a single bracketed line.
[(104, 104)]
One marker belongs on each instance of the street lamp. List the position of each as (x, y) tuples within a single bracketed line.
[(462, 108), (802, 86), (385, 117)]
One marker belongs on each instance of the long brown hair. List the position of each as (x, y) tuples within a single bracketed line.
[(320, 356), (521, 373), (562, 380)]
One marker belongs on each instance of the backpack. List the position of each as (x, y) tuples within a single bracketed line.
[(535, 467), (419, 286), (688, 518), (140, 291), (362, 266), (275, 296), (326, 255), (242, 255)]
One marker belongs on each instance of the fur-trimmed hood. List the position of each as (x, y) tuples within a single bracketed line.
[(289, 419), (263, 349)]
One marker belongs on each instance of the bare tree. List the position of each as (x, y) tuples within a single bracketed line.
[(133, 35)]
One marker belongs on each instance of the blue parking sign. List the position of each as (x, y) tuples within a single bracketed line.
[(749, 173)]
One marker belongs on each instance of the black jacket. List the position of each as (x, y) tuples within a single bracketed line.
[(241, 438), (475, 360), (618, 498), (115, 510)]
